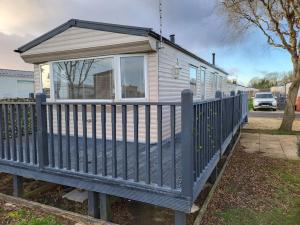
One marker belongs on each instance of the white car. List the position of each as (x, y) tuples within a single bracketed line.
[(264, 100)]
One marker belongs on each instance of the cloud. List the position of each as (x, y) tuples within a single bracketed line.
[(8, 58), (199, 26)]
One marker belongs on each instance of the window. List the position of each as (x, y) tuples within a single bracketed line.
[(84, 79), (202, 76), (202, 82), (193, 79), (45, 79), (132, 77), (103, 78)]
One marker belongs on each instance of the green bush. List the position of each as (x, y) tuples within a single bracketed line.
[(250, 104)]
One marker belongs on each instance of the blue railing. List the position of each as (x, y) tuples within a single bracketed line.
[(165, 150)]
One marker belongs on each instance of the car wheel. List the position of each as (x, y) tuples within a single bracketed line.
[(254, 109), (274, 109)]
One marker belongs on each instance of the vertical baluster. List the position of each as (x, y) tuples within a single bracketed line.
[(199, 138), (147, 127), (27, 150), (136, 141), (103, 126), (60, 152), (195, 134), (6, 131), (207, 134), (94, 137), (67, 126), (173, 149), (51, 143), (33, 129), (202, 150), (159, 145), (124, 134), (13, 132), (114, 144), (75, 121), (1, 133), (84, 130), (213, 127)]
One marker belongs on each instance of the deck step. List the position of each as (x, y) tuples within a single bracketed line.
[(77, 195)]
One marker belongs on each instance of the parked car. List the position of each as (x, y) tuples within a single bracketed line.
[(264, 100)]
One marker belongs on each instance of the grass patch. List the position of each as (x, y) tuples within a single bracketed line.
[(247, 216), (26, 217), (281, 206), (250, 104), (298, 146), (40, 221)]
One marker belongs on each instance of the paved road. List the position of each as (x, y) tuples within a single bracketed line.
[(270, 114)]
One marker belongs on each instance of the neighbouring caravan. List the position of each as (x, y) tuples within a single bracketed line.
[(15, 83), (98, 62)]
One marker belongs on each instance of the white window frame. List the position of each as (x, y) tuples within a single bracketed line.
[(197, 69), (204, 70), (116, 76), (119, 83)]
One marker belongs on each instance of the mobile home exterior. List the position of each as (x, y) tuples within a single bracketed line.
[(116, 119), (16, 83), (116, 63)]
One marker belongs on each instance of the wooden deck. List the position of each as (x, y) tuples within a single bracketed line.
[(170, 173), (130, 159)]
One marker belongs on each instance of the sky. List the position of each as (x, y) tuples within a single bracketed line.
[(197, 24)]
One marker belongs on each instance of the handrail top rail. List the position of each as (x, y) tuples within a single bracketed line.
[(175, 103), (17, 103)]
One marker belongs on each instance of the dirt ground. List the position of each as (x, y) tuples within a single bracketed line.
[(261, 123), (256, 189)]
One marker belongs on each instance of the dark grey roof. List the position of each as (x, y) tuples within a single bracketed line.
[(132, 30), (16, 73)]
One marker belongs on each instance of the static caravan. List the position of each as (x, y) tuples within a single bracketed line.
[(16, 83), (82, 61), (120, 112)]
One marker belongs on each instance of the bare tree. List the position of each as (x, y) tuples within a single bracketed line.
[(279, 22), (75, 72)]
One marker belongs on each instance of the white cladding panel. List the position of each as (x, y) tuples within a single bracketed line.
[(16, 87)]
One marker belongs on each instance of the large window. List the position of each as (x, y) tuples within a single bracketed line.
[(132, 77), (103, 78), (193, 79), (84, 79), (45, 79)]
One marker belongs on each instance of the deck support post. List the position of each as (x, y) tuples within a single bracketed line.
[(214, 175), (93, 204), (104, 207), (17, 186), (98, 205), (180, 218)]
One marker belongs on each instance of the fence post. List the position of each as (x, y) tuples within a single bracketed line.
[(42, 135), (187, 118), (187, 151)]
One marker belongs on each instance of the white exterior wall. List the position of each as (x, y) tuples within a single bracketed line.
[(162, 84), (170, 87), (77, 39), (15, 87)]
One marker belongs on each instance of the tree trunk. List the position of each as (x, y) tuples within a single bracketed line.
[(289, 111)]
